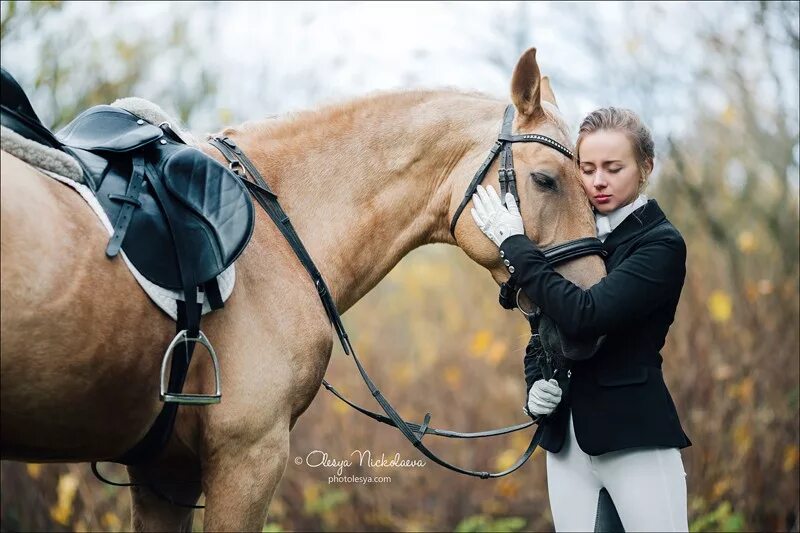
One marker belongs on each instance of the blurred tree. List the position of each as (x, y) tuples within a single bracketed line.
[(142, 50)]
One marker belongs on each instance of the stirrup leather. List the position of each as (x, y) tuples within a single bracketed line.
[(183, 398)]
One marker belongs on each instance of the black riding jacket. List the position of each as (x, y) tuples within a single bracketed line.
[(618, 397)]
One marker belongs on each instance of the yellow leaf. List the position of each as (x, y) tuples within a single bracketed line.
[(791, 456), (33, 470), (452, 375), (111, 521), (743, 438), (506, 459), (403, 372), (721, 487), (728, 115), (480, 342), (747, 242), (496, 352), (310, 495), (493, 506), (746, 388), (339, 407), (508, 487), (62, 510), (720, 306)]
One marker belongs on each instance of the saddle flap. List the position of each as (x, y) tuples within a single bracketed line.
[(108, 128), (215, 195)]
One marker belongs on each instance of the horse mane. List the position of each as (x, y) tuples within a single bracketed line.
[(336, 111)]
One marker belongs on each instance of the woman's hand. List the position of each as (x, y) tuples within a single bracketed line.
[(497, 222), (543, 397)]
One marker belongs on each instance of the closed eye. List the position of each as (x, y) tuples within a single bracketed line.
[(544, 181)]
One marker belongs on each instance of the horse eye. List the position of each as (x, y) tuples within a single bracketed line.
[(545, 181)]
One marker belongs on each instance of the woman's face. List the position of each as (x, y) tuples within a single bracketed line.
[(608, 170)]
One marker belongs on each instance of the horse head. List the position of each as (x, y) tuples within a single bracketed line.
[(553, 205)]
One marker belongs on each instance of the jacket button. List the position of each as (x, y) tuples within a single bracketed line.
[(511, 269), (506, 262), (502, 253)]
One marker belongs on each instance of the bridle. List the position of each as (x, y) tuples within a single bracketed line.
[(555, 255), (241, 165)]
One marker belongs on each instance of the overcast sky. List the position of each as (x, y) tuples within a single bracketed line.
[(272, 57)]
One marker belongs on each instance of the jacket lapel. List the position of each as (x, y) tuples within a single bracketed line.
[(636, 223)]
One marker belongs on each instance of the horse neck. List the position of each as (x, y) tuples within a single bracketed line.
[(367, 182)]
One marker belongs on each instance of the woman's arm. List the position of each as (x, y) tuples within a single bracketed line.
[(651, 276)]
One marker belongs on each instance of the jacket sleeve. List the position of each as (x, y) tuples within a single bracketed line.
[(651, 276)]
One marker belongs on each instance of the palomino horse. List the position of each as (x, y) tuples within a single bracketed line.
[(364, 183)]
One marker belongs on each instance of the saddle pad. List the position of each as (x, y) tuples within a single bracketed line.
[(165, 299)]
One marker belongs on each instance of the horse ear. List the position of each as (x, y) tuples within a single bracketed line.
[(526, 87), (547, 91)]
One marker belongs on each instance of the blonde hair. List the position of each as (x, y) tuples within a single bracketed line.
[(629, 123)]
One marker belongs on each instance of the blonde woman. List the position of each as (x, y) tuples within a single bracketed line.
[(611, 424)]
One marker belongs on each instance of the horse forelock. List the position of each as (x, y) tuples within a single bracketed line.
[(555, 117)]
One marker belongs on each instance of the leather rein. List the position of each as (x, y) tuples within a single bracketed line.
[(242, 166)]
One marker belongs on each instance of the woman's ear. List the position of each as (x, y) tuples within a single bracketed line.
[(648, 169)]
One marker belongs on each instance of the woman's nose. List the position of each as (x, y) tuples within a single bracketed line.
[(599, 180)]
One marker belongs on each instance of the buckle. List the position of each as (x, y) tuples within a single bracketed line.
[(183, 398), (236, 167)]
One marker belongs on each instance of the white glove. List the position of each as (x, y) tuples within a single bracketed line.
[(543, 397), (497, 222)]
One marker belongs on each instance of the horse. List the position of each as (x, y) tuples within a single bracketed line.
[(364, 181)]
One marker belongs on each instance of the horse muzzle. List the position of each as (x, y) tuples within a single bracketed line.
[(556, 343)]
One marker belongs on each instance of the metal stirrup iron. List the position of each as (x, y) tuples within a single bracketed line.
[(184, 398)]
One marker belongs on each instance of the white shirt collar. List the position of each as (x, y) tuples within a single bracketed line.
[(607, 223)]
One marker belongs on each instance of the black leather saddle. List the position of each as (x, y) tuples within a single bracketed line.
[(155, 189), (173, 207), (181, 217)]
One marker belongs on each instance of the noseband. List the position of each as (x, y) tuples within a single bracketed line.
[(559, 253)]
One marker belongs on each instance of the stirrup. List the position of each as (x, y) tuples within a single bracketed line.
[(183, 398)]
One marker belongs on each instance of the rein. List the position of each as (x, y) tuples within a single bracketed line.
[(240, 164)]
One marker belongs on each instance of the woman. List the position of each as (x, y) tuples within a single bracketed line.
[(614, 426)]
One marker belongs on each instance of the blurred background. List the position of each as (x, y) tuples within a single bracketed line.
[(718, 84)]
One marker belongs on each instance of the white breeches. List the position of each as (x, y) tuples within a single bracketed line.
[(647, 485)]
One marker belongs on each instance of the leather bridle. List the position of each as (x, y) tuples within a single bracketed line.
[(261, 191), (560, 253)]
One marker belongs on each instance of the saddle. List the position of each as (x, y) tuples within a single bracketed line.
[(181, 217)]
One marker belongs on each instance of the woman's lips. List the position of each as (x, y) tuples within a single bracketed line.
[(602, 198)]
